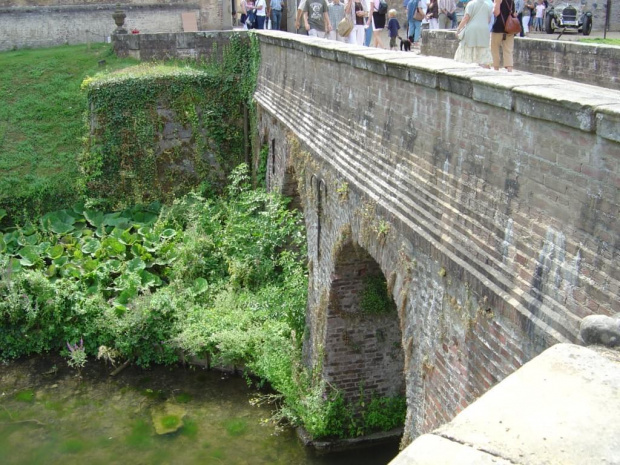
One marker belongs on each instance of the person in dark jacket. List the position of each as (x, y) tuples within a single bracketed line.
[(499, 38)]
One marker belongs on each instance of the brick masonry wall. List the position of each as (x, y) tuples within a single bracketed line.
[(488, 201), (34, 26), (587, 63)]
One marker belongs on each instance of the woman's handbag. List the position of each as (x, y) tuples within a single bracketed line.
[(512, 25), (419, 14), (344, 27)]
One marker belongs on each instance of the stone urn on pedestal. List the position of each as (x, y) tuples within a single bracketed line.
[(119, 19)]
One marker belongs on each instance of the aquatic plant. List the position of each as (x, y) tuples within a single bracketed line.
[(77, 356)]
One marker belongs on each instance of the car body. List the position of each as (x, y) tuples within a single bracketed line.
[(568, 15)]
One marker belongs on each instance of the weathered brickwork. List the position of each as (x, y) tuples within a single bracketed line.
[(488, 202), (587, 63), (42, 24)]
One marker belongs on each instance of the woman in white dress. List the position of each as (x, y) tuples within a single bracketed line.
[(475, 45)]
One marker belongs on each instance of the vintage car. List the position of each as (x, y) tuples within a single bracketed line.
[(566, 16)]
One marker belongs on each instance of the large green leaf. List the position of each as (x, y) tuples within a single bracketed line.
[(94, 217), (90, 265), (168, 234), (113, 247), (29, 256), (113, 266), (144, 217), (116, 220), (10, 239), (59, 222), (51, 271), (2, 213), (61, 261), (135, 265), (150, 279), (70, 270), (124, 236), (14, 265), (55, 251), (90, 246), (200, 286), (43, 247)]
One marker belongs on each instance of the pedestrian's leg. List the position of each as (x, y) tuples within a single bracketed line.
[(496, 40)]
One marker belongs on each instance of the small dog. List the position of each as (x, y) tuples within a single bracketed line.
[(405, 44)]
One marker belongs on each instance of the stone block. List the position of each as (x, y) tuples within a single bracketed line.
[(608, 121), (567, 104)]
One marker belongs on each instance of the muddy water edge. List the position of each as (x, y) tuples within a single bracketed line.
[(48, 415)]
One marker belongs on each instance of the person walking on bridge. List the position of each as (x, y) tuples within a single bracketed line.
[(474, 45), (316, 18), (447, 11), (499, 37), (275, 13)]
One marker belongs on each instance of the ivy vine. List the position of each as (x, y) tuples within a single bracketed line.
[(161, 130)]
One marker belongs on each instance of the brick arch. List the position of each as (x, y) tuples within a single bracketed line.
[(361, 348)]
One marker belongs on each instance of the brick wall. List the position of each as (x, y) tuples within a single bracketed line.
[(587, 63), (488, 201)]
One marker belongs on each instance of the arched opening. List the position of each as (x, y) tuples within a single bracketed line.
[(363, 348)]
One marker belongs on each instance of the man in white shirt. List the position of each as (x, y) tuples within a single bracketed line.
[(261, 14), (336, 13), (447, 10)]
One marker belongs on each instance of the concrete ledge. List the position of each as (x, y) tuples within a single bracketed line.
[(434, 450), (561, 407)]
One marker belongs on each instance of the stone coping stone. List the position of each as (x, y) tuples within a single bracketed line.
[(579, 106), (560, 408), (435, 450)]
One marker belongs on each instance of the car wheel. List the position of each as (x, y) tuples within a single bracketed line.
[(587, 25), (549, 24)]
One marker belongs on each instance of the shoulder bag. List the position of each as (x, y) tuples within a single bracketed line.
[(383, 7), (419, 13), (344, 27), (511, 23)]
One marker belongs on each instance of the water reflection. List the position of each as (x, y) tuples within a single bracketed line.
[(49, 416)]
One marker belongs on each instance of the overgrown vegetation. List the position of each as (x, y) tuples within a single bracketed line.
[(162, 130), (189, 272), (374, 298)]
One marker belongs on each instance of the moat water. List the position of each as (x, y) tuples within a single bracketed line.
[(48, 415)]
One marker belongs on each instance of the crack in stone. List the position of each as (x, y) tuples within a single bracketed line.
[(463, 443)]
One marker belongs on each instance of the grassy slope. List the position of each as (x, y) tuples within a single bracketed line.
[(41, 116), (601, 41)]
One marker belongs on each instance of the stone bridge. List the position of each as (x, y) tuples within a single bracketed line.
[(487, 202)]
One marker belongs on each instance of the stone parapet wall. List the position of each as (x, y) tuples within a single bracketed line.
[(593, 64), (489, 202), (183, 45), (57, 25), (33, 26)]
